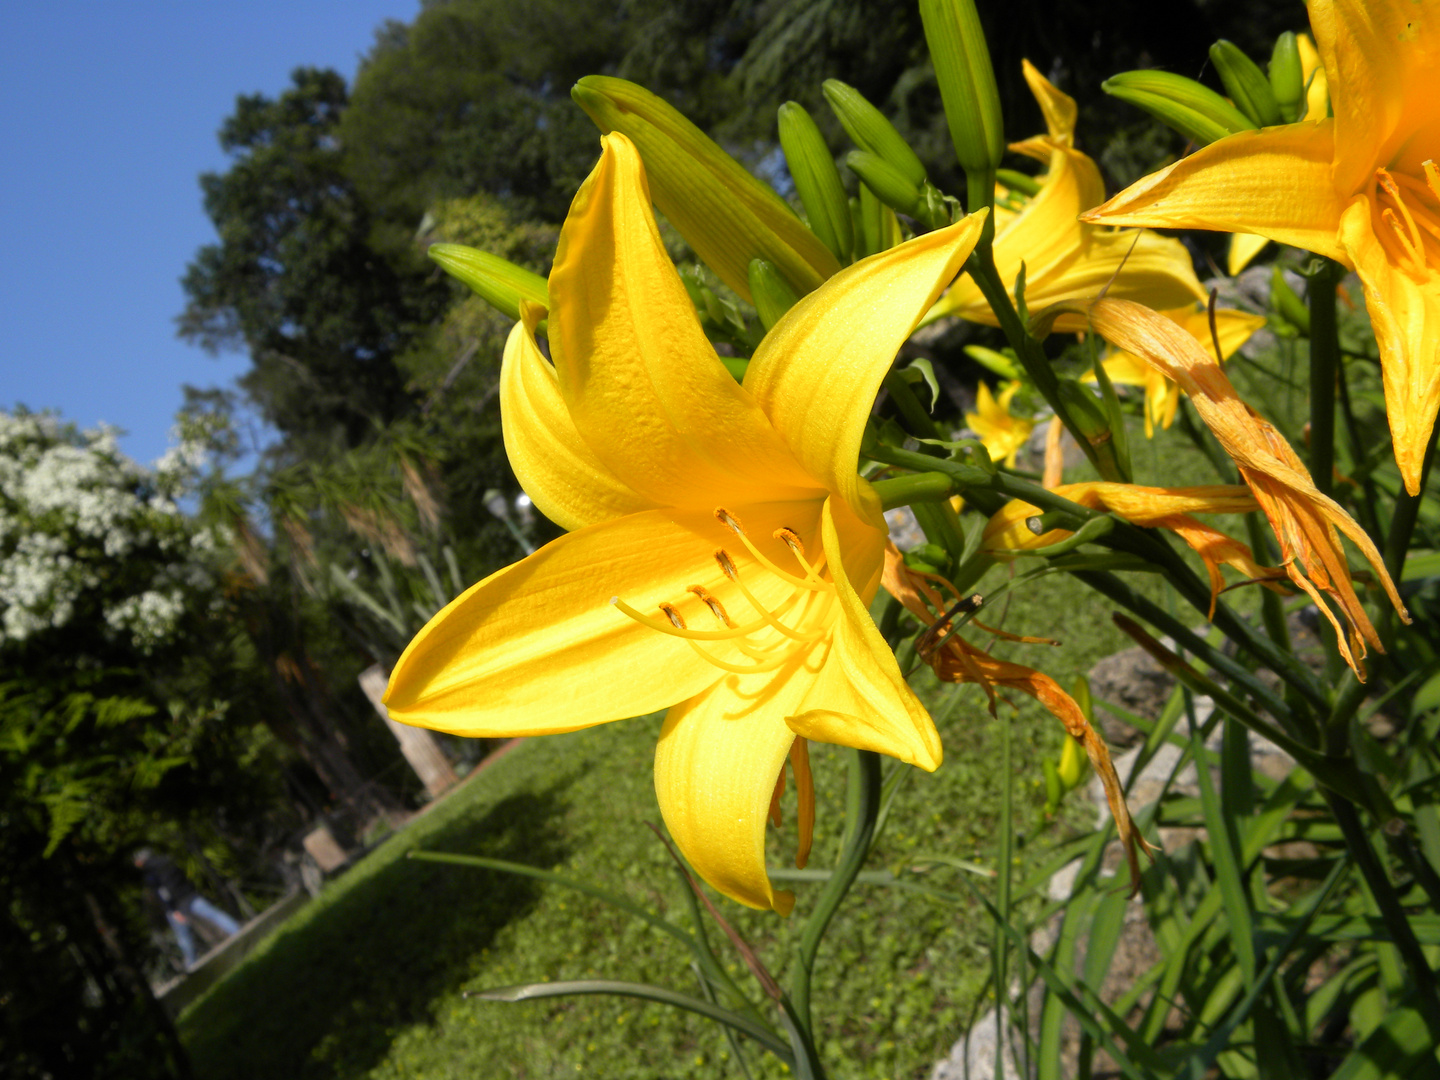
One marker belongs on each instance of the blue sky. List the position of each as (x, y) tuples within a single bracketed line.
[(108, 114)]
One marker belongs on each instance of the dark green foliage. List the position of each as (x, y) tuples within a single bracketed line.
[(295, 280)]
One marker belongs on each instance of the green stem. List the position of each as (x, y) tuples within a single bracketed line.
[(1357, 453), (982, 270), (1407, 511), (913, 488), (1324, 364), (915, 414), (862, 808), (1391, 910)]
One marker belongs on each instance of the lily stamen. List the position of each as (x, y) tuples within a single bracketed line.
[(679, 629), (727, 566), (1409, 235), (791, 539), (716, 608), (733, 524)]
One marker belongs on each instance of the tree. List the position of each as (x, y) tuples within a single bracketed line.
[(294, 278)]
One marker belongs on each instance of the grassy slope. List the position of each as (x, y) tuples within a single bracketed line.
[(368, 981)]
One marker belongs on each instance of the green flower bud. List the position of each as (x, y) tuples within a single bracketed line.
[(772, 294), (876, 227), (1287, 77), (817, 180), (1196, 111), (496, 280), (867, 127), (725, 214), (892, 186), (1018, 181), (1006, 367), (967, 88), (1245, 83)]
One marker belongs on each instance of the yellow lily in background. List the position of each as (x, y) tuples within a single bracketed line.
[(1162, 397), (1362, 188), (1304, 520), (1002, 434), (723, 549), (1245, 246), (1007, 535), (1063, 257)]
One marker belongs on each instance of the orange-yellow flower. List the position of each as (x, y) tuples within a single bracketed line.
[(1063, 257), (1002, 434), (722, 547), (957, 661), (1162, 397), (1362, 187), (1305, 520), (1006, 533)]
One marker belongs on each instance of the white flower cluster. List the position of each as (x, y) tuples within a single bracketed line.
[(82, 526)]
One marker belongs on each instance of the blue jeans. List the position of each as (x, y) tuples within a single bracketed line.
[(185, 937)]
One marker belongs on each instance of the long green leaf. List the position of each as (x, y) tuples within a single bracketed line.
[(539, 991)]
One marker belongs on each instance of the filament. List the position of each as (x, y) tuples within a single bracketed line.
[(733, 524)]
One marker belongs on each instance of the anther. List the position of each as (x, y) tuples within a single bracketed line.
[(1432, 177), (673, 615), (727, 564), (791, 539), (729, 520), (716, 608)]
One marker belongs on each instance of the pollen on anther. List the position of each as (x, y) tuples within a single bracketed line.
[(729, 520), (716, 608), (727, 564), (673, 615), (791, 539)]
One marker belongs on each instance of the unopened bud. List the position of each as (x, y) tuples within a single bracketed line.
[(725, 214), (1287, 79), (967, 85), (498, 281), (867, 127), (1246, 84), (817, 181), (770, 292), (892, 187), (1195, 111), (1071, 769)]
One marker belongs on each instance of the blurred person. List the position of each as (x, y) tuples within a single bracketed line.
[(181, 901)]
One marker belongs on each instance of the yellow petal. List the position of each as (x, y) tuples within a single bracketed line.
[(1058, 107), (642, 384), (860, 698), (538, 648), (1317, 87), (1383, 59), (1274, 182), (1404, 306), (560, 473), (715, 768), (818, 370), (1153, 270), (1243, 249)]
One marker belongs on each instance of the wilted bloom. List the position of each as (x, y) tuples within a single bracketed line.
[(1007, 533), (1362, 188), (1063, 257), (956, 660), (1002, 433), (1162, 397), (1304, 520), (723, 549)]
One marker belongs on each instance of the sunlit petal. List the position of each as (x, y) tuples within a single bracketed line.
[(642, 384), (1404, 306), (1274, 182), (715, 768), (1057, 106), (860, 697), (818, 370), (557, 469)]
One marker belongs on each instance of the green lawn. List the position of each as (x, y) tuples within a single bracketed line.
[(369, 980)]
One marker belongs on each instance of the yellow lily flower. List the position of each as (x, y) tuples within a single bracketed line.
[(1006, 533), (723, 549), (1362, 188), (1064, 258), (1002, 434), (1162, 397), (1304, 520), (1245, 246)]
